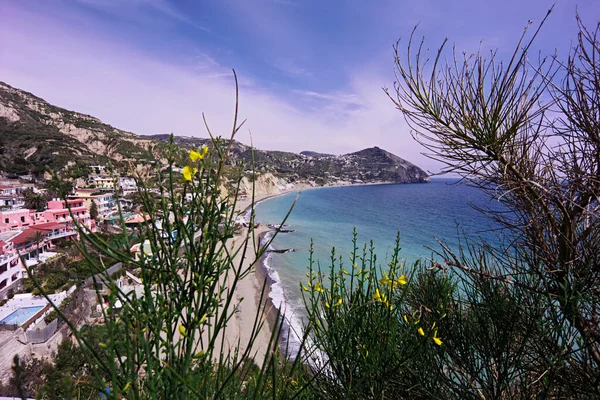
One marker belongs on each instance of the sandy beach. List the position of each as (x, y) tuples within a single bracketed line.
[(248, 290)]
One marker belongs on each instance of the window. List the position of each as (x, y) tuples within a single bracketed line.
[(6, 220), (22, 219), (4, 268), (3, 284)]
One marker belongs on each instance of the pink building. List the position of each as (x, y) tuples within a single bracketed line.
[(56, 211)]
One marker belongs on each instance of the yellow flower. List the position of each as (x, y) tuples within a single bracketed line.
[(199, 354), (345, 272), (377, 295), (421, 332), (393, 283), (402, 280), (405, 319), (436, 339), (182, 330), (326, 304), (318, 288), (305, 288), (189, 172), (204, 317), (339, 302), (195, 155)]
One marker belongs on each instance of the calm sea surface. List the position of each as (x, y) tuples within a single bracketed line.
[(420, 212)]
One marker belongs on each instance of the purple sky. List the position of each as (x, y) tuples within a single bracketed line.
[(311, 72)]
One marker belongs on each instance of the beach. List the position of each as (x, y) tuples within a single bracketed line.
[(248, 290)]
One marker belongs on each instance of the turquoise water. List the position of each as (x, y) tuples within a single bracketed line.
[(21, 315), (421, 212)]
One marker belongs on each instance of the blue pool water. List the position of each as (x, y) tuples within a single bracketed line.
[(21, 315)]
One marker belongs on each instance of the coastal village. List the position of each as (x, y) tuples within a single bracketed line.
[(39, 239), (42, 241)]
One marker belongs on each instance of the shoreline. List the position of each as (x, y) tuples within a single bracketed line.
[(259, 278)]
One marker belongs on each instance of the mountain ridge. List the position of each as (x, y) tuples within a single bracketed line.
[(35, 134)]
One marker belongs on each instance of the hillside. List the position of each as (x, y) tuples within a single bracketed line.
[(35, 135), (368, 165)]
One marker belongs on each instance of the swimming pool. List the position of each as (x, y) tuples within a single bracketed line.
[(21, 315)]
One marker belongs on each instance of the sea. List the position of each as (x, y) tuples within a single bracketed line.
[(423, 214)]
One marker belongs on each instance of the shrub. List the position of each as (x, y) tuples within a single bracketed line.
[(171, 341)]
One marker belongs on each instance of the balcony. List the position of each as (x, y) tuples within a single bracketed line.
[(59, 235), (7, 258)]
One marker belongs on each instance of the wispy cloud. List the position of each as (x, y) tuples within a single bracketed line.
[(132, 7), (148, 96), (291, 69)]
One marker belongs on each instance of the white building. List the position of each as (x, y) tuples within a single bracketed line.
[(105, 201), (11, 272)]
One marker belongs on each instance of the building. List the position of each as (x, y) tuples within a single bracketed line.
[(127, 185), (11, 201), (11, 272), (105, 202), (68, 211), (6, 190), (102, 182), (56, 211)]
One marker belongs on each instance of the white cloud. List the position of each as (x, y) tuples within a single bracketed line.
[(134, 92)]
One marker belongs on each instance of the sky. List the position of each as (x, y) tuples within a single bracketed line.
[(310, 72)]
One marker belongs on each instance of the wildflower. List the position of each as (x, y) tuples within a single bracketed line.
[(345, 272), (182, 330), (405, 318), (195, 155), (421, 331), (392, 283), (402, 280), (189, 172), (305, 288), (339, 302), (436, 339), (127, 386), (326, 304), (199, 354), (318, 288)]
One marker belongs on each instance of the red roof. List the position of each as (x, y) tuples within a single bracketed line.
[(24, 237), (5, 187), (48, 226)]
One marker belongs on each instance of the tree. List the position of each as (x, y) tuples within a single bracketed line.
[(94, 210), (35, 201), (528, 135)]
